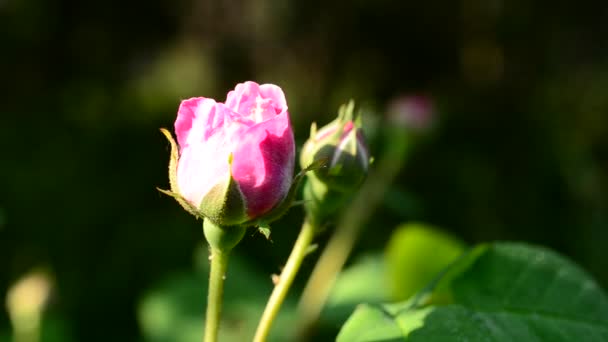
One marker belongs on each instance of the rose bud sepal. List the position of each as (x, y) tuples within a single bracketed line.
[(321, 202), (174, 192), (225, 204)]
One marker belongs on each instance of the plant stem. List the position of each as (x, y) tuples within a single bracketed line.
[(217, 275), (288, 274), (349, 228), (222, 240)]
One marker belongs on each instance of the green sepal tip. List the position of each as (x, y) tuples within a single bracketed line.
[(225, 203), (174, 192), (182, 201), (264, 228), (172, 161)]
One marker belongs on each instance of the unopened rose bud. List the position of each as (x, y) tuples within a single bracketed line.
[(340, 147), (236, 159)]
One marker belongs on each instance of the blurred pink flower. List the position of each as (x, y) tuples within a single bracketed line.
[(253, 126), (415, 112)]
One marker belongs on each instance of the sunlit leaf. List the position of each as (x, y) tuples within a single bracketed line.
[(498, 292), (415, 254)]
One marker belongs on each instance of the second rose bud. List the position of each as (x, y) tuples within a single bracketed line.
[(340, 150)]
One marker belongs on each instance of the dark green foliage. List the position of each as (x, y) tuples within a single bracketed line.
[(497, 292)]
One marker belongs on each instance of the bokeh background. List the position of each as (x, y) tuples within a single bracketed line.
[(518, 148)]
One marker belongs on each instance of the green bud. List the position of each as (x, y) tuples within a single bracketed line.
[(341, 146), (341, 150)]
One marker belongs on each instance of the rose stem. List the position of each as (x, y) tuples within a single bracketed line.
[(217, 275), (221, 241), (349, 227), (288, 274)]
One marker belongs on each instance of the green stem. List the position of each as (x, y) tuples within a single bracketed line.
[(288, 274), (349, 228), (219, 263), (323, 276), (221, 241)]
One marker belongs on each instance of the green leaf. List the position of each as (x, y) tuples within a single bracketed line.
[(497, 292), (370, 323), (415, 254), (363, 281)]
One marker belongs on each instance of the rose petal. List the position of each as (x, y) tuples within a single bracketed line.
[(255, 102), (197, 120), (185, 116), (203, 160), (254, 126), (196, 174), (240, 99), (275, 93), (263, 163)]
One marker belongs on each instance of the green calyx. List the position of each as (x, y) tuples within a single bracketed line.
[(222, 209), (225, 204), (321, 202)]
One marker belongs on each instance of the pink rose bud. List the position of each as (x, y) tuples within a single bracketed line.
[(342, 146), (236, 159)]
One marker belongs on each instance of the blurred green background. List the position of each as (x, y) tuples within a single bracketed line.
[(518, 149)]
